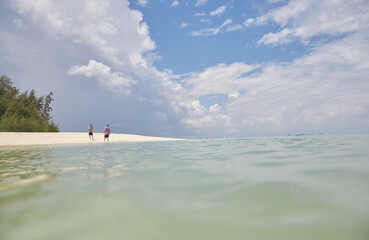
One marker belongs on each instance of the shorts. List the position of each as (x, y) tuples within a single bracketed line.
[(106, 136), (90, 133)]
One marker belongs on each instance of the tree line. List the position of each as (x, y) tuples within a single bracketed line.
[(24, 112)]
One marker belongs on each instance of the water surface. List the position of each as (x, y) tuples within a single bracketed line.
[(307, 187)]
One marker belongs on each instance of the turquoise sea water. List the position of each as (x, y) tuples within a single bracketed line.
[(308, 187)]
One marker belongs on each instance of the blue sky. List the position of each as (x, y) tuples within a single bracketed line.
[(193, 68), (173, 28)]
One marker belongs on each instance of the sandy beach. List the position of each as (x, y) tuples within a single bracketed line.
[(26, 138)]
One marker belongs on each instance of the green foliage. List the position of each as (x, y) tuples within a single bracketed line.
[(24, 112), (7, 93)]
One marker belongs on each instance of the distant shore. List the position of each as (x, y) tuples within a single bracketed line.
[(32, 138)]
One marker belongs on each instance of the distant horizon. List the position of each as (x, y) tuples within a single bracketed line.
[(209, 137), (193, 68)]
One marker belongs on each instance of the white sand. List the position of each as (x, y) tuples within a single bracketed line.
[(22, 138)]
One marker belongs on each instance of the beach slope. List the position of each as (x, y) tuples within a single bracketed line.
[(27, 138)]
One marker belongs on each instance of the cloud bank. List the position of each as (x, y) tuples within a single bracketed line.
[(301, 20), (323, 91), (327, 86)]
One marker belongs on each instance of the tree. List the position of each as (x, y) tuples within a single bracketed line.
[(7, 93), (46, 109), (24, 112)]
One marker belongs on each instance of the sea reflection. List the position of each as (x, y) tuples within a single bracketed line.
[(84, 162), (24, 166), (23, 173)]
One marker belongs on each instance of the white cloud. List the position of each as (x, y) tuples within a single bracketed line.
[(175, 3), (303, 19), (109, 31), (19, 23), (215, 108), (113, 81), (248, 22), (100, 24), (200, 14), (284, 36), (234, 95), (200, 3), (219, 79), (143, 2), (324, 91), (184, 25), (205, 20), (201, 120), (211, 31), (276, 1), (218, 11)]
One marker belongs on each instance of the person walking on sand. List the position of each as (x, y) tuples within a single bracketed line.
[(106, 132), (90, 132)]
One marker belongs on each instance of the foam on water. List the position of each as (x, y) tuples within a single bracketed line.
[(308, 187)]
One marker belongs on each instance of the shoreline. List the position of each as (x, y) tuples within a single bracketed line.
[(57, 138)]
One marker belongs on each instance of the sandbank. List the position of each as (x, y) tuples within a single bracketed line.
[(26, 138)]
